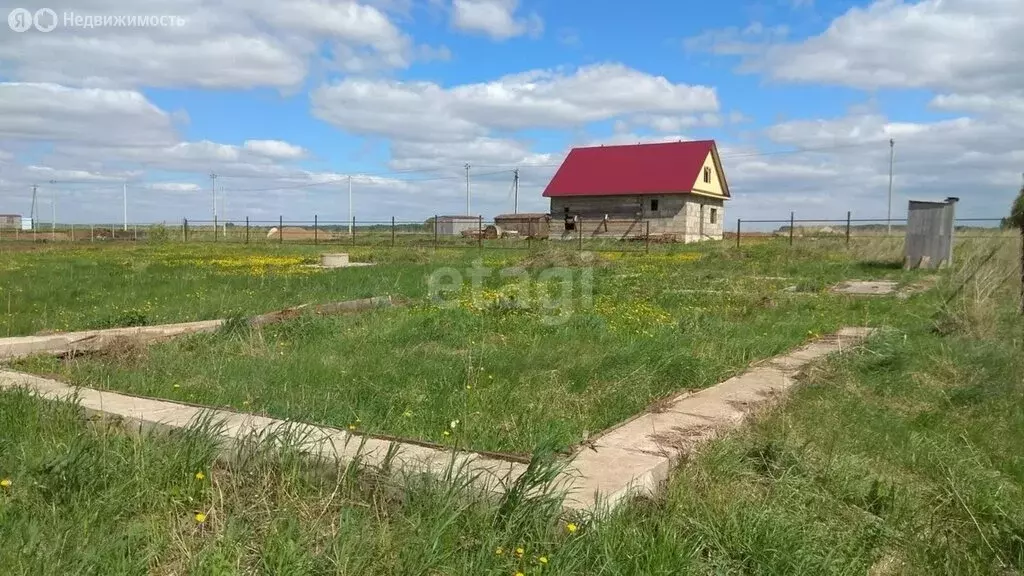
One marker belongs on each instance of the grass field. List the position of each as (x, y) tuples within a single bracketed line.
[(488, 368), (900, 459)]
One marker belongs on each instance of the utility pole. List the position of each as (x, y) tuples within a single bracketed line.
[(892, 153), (125, 205), (32, 214), (515, 188), (351, 214), (468, 209), (213, 188)]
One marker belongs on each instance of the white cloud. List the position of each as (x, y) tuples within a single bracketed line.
[(966, 46), (534, 99), (174, 187), (55, 113), (275, 149), (221, 44), (494, 18)]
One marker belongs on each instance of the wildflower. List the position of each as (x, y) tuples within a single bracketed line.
[(407, 413), (176, 386), (454, 424), (5, 483), (469, 387), (447, 433), (351, 426), (543, 559), (520, 552), (200, 517), (520, 574), (499, 551), (200, 476), (571, 527)]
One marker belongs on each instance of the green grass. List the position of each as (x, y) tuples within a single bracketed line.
[(658, 324), (901, 458)]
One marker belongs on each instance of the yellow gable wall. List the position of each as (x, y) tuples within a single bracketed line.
[(715, 187)]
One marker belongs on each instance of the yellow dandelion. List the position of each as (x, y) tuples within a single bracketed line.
[(200, 517), (5, 483), (543, 559), (571, 527), (351, 426), (520, 552), (447, 433), (200, 476), (499, 551), (520, 574)]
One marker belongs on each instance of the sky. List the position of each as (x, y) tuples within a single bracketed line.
[(287, 101)]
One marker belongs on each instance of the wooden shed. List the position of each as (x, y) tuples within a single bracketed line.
[(526, 225)]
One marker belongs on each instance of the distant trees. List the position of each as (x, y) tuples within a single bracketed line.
[(1016, 220)]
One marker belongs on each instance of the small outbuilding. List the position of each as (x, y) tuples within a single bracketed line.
[(930, 230), (675, 189), (457, 225), (525, 225)]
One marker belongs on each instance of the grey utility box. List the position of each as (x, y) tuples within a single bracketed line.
[(930, 227)]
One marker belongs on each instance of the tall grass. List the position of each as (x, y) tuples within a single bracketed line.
[(902, 458)]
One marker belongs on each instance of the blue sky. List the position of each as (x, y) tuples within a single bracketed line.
[(287, 100)]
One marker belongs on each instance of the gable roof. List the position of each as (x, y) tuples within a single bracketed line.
[(661, 168)]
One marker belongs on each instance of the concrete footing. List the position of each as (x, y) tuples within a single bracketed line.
[(634, 457)]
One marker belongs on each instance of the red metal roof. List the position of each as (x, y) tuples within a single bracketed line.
[(662, 168)]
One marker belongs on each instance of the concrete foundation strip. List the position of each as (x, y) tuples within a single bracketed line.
[(633, 457), (91, 340)]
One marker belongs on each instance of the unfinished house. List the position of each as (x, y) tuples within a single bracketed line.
[(671, 189)]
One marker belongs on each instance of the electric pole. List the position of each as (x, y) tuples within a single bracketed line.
[(515, 188), (32, 215), (213, 188), (468, 209), (351, 213), (892, 153)]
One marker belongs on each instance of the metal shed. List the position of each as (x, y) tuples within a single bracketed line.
[(930, 231), (456, 225)]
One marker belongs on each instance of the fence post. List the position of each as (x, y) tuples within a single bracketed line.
[(316, 231), (353, 230), (579, 230), (847, 228), (739, 227), (392, 231), (435, 230), (529, 235), (185, 239), (246, 229), (647, 239), (792, 220), (72, 232), (480, 232), (280, 229)]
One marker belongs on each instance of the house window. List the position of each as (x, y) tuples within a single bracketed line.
[(707, 175), (654, 205), (714, 215)]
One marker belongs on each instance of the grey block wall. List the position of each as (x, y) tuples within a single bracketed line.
[(691, 217)]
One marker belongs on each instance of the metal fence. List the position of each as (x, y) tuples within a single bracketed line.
[(849, 230), (613, 235)]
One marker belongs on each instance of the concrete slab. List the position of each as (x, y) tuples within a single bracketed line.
[(234, 427), (866, 287), (637, 454)]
